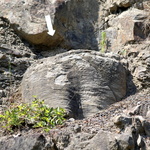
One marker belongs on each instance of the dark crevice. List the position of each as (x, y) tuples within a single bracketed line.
[(74, 95), (122, 9), (119, 10)]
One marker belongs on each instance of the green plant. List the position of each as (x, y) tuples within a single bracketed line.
[(103, 42), (36, 114)]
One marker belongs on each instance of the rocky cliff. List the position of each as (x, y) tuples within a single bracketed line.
[(98, 56)]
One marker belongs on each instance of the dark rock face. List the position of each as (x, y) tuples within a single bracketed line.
[(81, 81), (78, 28), (28, 142), (15, 57), (139, 65)]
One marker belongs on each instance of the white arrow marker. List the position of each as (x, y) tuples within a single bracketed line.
[(49, 25)]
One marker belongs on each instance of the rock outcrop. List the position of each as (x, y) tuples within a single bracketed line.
[(80, 28), (15, 57), (81, 81), (78, 24), (138, 56), (126, 28), (75, 22)]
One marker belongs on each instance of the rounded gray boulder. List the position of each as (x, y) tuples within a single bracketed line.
[(81, 81)]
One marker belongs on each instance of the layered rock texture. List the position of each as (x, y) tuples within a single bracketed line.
[(81, 81)]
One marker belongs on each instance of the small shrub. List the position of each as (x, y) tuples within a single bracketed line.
[(36, 114), (103, 42)]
